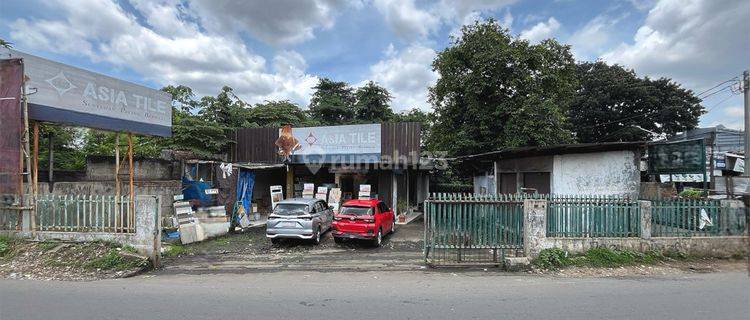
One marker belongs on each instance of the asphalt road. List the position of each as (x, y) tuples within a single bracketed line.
[(372, 295)]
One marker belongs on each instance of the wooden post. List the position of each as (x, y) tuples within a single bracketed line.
[(118, 215), (51, 158), (289, 182), (36, 174), (131, 211)]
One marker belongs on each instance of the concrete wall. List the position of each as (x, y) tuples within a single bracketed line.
[(535, 236), (163, 190), (146, 239), (486, 181), (604, 173), (102, 168)]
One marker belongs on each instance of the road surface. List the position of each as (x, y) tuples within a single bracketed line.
[(373, 295)]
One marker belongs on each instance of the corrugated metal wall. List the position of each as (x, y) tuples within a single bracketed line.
[(400, 140), (11, 125), (256, 145)]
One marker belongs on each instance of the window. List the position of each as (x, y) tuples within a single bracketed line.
[(382, 207), (356, 211), (290, 209)]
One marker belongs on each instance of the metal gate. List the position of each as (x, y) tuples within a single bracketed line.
[(472, 228)]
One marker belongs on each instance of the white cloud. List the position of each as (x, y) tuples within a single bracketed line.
[(171, 51), (405, 19), (594, 38), (275, 22), (407, 75), (541, 31), (735, 111), (697, 42)]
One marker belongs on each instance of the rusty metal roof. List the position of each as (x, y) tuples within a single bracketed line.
[(521, 152)]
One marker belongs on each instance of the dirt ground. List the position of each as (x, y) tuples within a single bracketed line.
[(69, 261), (252, 251), (660, 269)]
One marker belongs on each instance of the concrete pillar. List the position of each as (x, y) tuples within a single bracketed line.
[(534, 226), (645, 219), (147, 238), (729, 216)]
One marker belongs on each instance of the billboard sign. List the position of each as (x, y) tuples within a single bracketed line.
[(677, 157), (338, 144), (62, 93)]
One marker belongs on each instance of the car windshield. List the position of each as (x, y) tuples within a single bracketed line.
[(290, 209), (356, 211)]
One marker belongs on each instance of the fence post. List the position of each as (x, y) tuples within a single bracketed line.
[(645, 219), (148, 228), (534, 226)]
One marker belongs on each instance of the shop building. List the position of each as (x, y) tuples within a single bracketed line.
[(384, 156)]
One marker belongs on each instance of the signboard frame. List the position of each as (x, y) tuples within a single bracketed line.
[(676, 169)]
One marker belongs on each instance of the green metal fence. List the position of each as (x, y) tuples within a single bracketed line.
[(471, 228), (90, 213), (592, 216), (691, 218)]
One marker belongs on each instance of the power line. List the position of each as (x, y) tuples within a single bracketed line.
[(714, 87), (716, 92), (719, 103)]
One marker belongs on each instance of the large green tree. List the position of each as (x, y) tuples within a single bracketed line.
[(226, 109), (614, 104), (497, 91), (332, 102), (373, 103), (5, 44), (278, 113)]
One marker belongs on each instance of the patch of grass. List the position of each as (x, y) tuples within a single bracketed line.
[(553, 258), (47, 245), (6, 245), (175, 250), (130, 249), (113, 261), (602, 258), (221, 241)]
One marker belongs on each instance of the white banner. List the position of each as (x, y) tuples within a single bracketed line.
[(336, 140)]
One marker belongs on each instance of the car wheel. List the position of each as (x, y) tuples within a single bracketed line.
[(378, 238), (317, 236), (393, 227), (275, 241)]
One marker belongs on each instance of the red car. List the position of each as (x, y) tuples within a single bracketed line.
[(363, 219)]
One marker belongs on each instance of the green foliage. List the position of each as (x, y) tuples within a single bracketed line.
[(174, 250), (67, 143), (373, 104), (552, 259), (604, 257), (277, 114), (332, 103), (613, 102), (6, 44), (499, 91), (226, 109), (114, 261), (5, 245), (47, 245), (692, 193)]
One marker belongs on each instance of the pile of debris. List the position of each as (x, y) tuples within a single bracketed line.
[(51, 260)]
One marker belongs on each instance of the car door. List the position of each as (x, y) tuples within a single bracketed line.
[(388, 215), (385, 221)]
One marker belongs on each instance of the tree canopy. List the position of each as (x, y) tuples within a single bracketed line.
[(613, 104), (498, 91), (373, 103), (333, 102)]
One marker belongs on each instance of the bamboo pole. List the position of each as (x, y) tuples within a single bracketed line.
[(117, 175), (130, 173), (36, 174)]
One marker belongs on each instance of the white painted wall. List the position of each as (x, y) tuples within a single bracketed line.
[(602, 173)]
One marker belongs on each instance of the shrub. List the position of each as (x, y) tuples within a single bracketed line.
[(5, 245), (553, 258), (114, 261), (691, 193), (604, 257)]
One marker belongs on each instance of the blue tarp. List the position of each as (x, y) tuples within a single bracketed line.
[(245, 182), (192, 189)]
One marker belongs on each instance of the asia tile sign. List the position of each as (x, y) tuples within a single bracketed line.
[(62, 93), (338, 144)]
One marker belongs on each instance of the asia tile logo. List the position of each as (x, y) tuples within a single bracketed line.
[(61, 83), (311, 139)]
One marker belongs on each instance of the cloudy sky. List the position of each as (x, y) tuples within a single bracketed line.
[(278, 49)]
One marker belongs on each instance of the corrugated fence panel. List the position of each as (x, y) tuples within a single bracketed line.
[(256, 145)]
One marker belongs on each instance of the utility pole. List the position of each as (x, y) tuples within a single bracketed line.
[(746, 94)]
